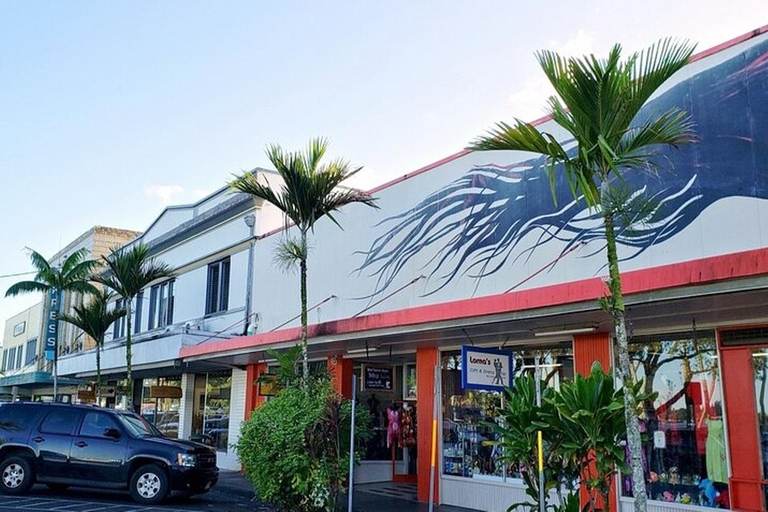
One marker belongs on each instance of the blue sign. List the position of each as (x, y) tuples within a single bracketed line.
[(52, 326), (486, 368)]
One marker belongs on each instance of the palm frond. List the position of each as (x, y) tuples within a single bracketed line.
[(129, 270), (655, 65), (672, 128), (289, 252), (27, 287), (39, 262), (73, 260), (95, 318)]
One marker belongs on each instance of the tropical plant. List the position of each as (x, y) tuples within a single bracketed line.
[(95, 319), (128, 270), (597, 103), (521, 420), (587, 414), (295, 447), (71, 276), (308, 191)]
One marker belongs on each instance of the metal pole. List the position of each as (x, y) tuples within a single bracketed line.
[(352, 445), (540, 444), (433, 458), (250, 221)]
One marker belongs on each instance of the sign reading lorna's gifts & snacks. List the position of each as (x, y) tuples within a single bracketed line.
[(486, 368)]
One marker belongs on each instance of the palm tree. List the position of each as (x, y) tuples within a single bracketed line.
[(71, 276), (95, 319), (309, 191), (597, 102), (128, 271)]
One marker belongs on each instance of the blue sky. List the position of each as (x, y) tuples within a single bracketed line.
[(111, 110)]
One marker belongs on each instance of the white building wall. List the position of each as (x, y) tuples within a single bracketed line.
[(186, 407), (229, 459)]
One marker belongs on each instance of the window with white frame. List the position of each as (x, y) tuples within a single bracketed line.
[(119, 330), (31, 351), (217, 292), (161, 305), (5, 360), (19, 355), (139, 309)]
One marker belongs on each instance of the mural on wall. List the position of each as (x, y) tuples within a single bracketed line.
[(497, 215)]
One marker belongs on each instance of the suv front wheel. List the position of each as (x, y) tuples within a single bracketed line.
[(149, 484), (15, 475)]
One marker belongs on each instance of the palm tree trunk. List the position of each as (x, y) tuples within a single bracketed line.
[(128, 355), (304, 355), (616, 310), (98, 370)]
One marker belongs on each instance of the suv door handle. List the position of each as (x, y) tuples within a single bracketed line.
[(81, 444), (38, 439)]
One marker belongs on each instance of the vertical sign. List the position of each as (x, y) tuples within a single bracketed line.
[(486, 368), (52, 326)]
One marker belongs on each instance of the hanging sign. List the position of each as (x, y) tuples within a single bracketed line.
[(486, 368), (52, 326), (379, 377), (165, 392)]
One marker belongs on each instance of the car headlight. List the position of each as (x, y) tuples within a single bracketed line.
[(187, 460)]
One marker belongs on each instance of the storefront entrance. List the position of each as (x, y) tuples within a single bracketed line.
[(744, 355)]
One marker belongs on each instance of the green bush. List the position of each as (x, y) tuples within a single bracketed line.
[(295, 447)]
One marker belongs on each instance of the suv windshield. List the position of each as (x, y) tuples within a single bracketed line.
[(138, 426)]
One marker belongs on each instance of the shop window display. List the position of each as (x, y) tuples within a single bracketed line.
[(684, 452), (466, 412), (162, 412), (210, 423)]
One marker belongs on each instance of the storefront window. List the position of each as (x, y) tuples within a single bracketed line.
[(684, 452), (465, 413), (160, 402), (211, 411), (760, 368), (379, 400)]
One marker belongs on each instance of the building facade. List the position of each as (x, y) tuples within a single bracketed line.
[(473, 251), (29, 377), (209, 245)]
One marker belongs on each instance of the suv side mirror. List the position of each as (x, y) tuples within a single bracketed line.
[(112, 433)]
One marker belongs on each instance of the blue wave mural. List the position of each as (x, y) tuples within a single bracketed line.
[(477, 224)]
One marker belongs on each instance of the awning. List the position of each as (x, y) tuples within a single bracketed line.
[(35, 379)]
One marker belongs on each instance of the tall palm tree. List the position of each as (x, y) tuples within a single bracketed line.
[(95, 319), (128, 271), (71, 276), (309, 191), (597, 102)]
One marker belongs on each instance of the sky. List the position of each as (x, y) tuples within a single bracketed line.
[(110, 111)]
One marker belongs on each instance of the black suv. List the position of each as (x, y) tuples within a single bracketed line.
[(80, 445)]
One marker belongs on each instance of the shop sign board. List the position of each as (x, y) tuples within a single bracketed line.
[(380, 378), (107, 391), (86, 396), (486, 368), (164, 392), (52, 325), (268, 384)]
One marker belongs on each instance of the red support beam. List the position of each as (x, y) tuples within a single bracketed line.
[(252, 398), (341, 375), (588, 348), (426, 360)]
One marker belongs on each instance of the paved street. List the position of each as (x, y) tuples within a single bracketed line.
[(233, 493)]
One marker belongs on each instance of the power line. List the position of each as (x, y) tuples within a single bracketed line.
[(18, 274)]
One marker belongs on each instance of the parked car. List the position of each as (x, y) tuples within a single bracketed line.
[(64, 445)]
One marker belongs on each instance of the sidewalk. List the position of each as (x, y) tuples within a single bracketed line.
[(382, 497)]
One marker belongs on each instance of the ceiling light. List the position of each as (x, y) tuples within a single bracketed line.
[(362, 350), (566, 330)]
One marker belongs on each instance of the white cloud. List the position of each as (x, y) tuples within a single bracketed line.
[(529, 101), (166, 194)]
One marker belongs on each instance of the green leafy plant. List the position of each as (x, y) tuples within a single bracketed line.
[(309, 191), (295, 447), (597, 102), (521, 421), (587, 415)]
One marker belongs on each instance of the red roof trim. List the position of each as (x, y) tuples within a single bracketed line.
[(695, 272)]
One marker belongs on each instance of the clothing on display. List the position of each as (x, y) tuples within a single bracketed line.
[(407, 428), (717, 467), (393, 426)]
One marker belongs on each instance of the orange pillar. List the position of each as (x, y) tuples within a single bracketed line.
[(745, 485), (426, 360), (588, 348), (341, 374), (252, 398)]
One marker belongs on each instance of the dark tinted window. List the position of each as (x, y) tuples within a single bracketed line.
[(60, 421), (17, 417), (95, 423)]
